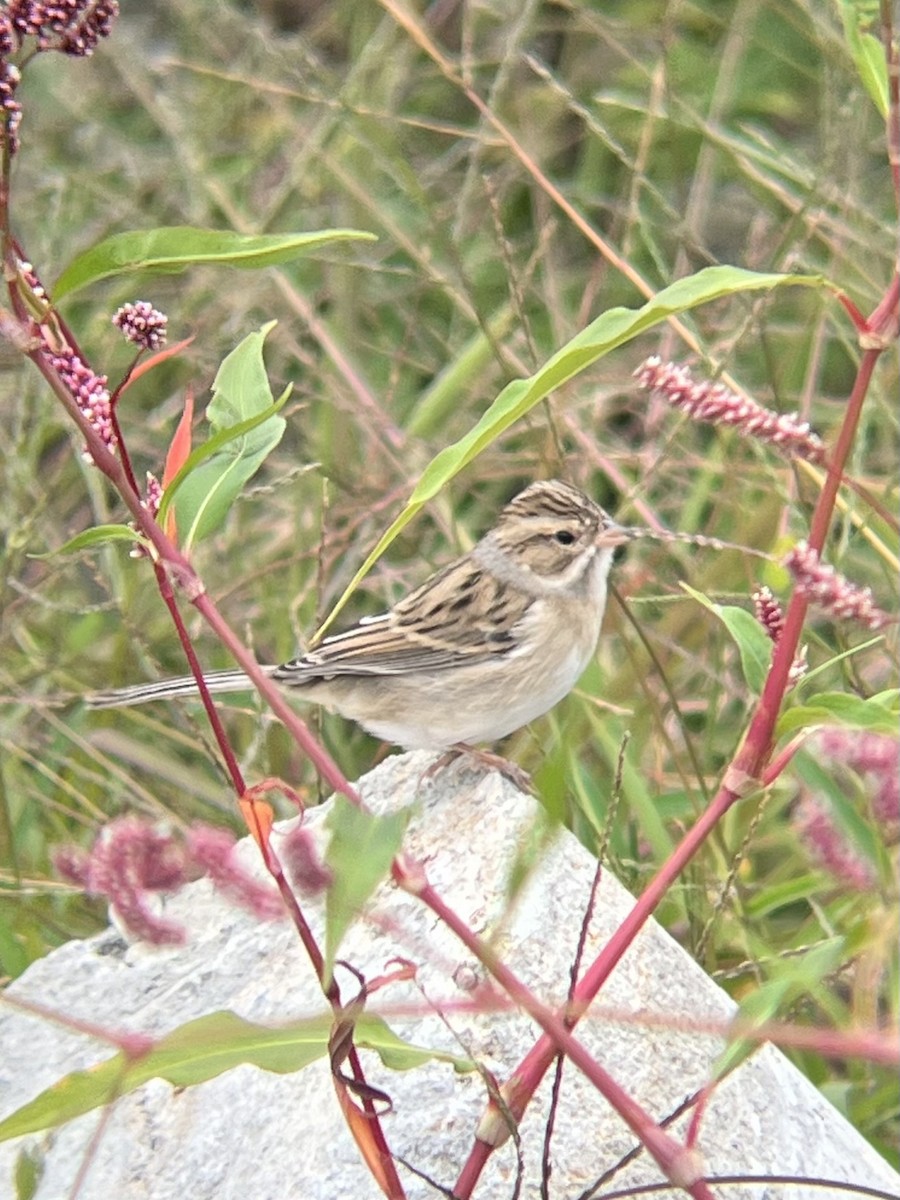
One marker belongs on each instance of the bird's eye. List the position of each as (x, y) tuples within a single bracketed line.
[(565, 537)]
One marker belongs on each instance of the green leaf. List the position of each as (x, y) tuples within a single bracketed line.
[(753, 643), (373, 1033), (240, 394), (360, 851), (216, 443), (867, 53), (774, 896), (878, 714), (797, 977), (174, 248), (96, 536), (203, 1049), (609, 331), (29, 1172)]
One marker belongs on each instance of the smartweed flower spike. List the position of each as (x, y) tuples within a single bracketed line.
[(770, 616), (132, 859), (89, 391), (212, 851), (142, 324), (10, 109), (876, 757), (829, 847), (828, 590), (153, 496), (72, 27), (768, 612), (713, 402)]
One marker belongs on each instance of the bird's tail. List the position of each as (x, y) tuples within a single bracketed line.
[(166, 689)]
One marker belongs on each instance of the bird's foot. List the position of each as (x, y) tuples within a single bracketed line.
[(516, 775)]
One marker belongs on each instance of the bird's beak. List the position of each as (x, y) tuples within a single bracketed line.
[(617, 535)]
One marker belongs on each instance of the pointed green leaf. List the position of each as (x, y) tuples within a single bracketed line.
[(174, 248), (215, 444), (610, 330), (98, 535), (878, 714), (240, 393), (360, 851), (205, 1048), (373, 1033), (753, 643), (867, 53), (797, 977), (29, 1171)]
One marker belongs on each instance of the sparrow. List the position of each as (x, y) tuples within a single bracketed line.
[(487, 644)]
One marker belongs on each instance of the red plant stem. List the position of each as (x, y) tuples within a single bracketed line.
[(168, 596), (667, 1152), (171, 565)]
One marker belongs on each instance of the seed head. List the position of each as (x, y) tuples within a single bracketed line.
[(717, 404)]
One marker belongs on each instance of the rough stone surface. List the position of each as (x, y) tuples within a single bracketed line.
[(252, 1135)]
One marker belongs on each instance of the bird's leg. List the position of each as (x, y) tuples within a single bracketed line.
[(518, 777)]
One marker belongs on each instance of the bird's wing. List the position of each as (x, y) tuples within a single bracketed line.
[(460, 616)]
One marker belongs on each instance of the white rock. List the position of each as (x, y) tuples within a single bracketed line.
[(252, 1135)]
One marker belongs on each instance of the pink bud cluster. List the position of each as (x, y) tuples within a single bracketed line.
[(152, 495), (875, 759), (824, 587), (768, 612), (301, 857), (713, 402), (133, 859), (770, 616), (211, 851), (828, 846), (88, 390), (71, 26), (142, 324), (9, 105)]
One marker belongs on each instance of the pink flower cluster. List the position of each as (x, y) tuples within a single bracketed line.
[(152, 495), (132, 859), (828, 846), (71, 26), (768, 612), (88, 390), (713, 402), (9, 105), (824, 587), (142, 324), (305, 868), (770, 616), (875, 758)]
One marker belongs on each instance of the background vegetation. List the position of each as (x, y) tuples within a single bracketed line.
[(686, 134)]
